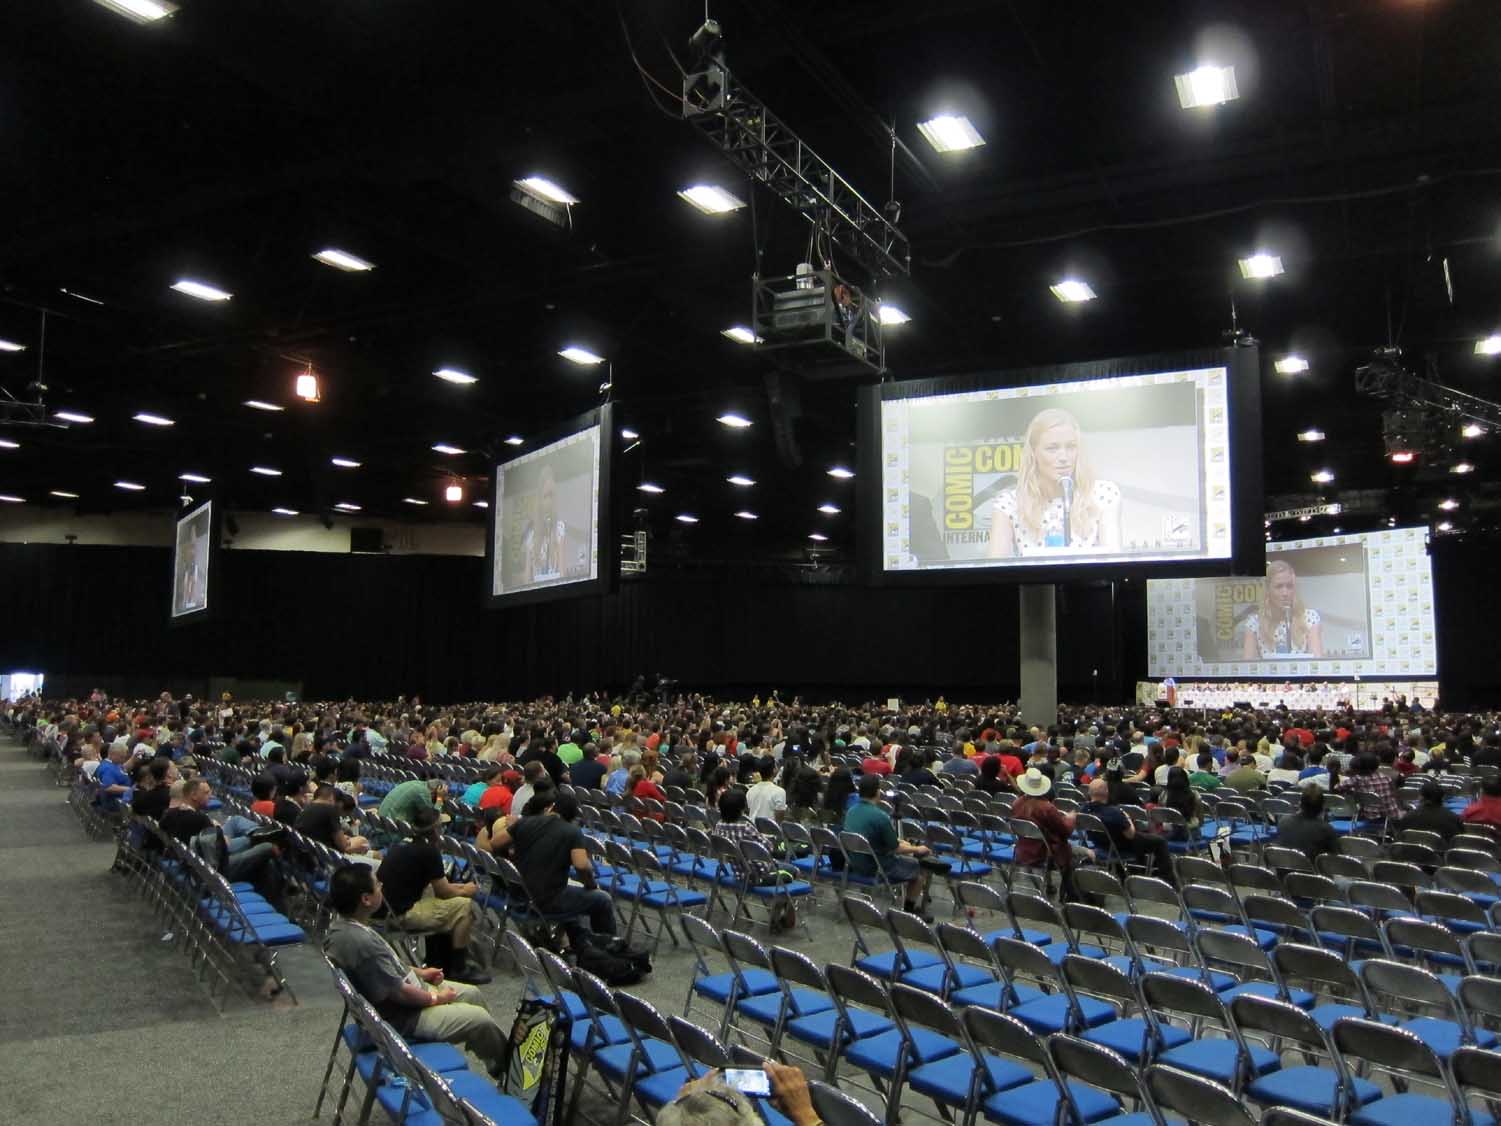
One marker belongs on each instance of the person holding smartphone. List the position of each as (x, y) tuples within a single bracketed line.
[(728, 1098)]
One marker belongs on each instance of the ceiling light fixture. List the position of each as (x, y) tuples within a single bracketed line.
[(1072, 290), (733, 421), (841, 472), (454, 493), (8, 499), (515, 440), (576, 355), (741, 335), (628, 434), (1445, 526), (79, 296), (892, 315), (1462, 468), (481, 504), (1322, 477), (265, 471), (648, 487), (1448, 504), (819, 537), (262, 405), (345, 506), (445, 448), (344, 462), (11, 346), (711, 200), (7, 444), (307, 387), (1260, 265), (153, 419), (63, 493), (201, 290), (454, 375), (746, 515), (130, 486), (544, 189), (1291, 365), (73, 416), (194, 478), (139, 11), (685, 518), (1311, 435), (950, 132), (343, 260), (829, 509), (1472, 430), (284, 512), (413, 500), (741, 480), (1205, 86), (1490, 346), (1402, 457)]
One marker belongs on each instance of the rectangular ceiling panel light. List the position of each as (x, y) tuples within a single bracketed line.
[(265, 471), (1206, 86), (543, 188), (1072, 290), (153, 419), (711, 200), (201, 290), (454, 375), (1291, 365), (343, 260), (1490, 346), (11, 346), (73, 416), (139, 11), (1260, 265), (950, 132), (344, 462), (574, 354), (194, 478), (741, 335), (893, 315), (445, 448), (262, 405), (515, 440)]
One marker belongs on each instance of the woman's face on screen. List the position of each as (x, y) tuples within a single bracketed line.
[(1057, 452), (1284, 587)]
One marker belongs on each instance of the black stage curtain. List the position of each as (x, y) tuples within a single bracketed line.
[(381, 626)]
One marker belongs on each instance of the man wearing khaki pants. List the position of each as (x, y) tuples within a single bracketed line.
[(415, 1000), (419, 894)]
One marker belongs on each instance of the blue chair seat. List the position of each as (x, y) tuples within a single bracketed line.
[(1443, 1036), (974, 850), (1300, 997), (1057, 951), (818, 1029), (1034, 937), (661, 1087), (1036, 1104), (444, 1058), (268, 934), (478, 1090), (1050, 1013), (884, 965), (1326, 1015), (717, 987), (947, 1080), (1307, 1088), (659, 1055), (1131, 1037), (677, 897), (811, 865), (1413, 1110), (935, 979), (1219, 1059), (1219, 981), (879, 1054), (968, 870), (609, 1030), (767, 1008), (992, 995)]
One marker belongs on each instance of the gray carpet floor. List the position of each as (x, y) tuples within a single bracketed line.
[(103, 1023)]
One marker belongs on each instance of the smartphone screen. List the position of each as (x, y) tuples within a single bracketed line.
[(752, 1082)]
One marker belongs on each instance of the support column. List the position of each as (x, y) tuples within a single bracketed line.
[(1039, 655)]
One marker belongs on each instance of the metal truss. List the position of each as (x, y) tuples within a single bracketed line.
[(1385, 378)]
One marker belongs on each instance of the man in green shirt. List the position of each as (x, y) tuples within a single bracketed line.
[(1204, 776), (897, 858), (1245, 776), (406, 798), (570, 752)]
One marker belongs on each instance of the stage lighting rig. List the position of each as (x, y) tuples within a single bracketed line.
[(1442, 409)]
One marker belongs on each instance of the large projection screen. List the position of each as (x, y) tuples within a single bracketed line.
[(192, 560), (1349, 605), (549, 516), (1133, 468)]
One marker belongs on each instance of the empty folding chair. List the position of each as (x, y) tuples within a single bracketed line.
[(1405, 1057), (769, 1010), (1485, 951), (1348, 931), (1445, 1026), (622, 1066), (1454, 910), (1173, 943), (1201, 1101), (1312, 889), (835, 1108), (1036, 1103), (1057, 1009), (1259, 976), (1278, 914), (1431, 945), (961, 1079), (1099, 926), (1331, 976), (829, 1031), (865, 917), (651, 1032), (1327, 1089), (1287, 1116), (1134, 1032), (1477, 1074), (1338, 866), (1479, 887), (1283, 860), (1481, 998), (907, 930), (1079, 1061), (1379, 900), (1033, 908), (996, 992), (1219, 908), (723, 988), (1226, 1057), (978, 897)]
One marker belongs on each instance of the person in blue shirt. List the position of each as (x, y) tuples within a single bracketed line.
[(620, 777), (476, 790), (114, 783)]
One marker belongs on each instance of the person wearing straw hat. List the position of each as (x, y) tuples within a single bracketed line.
[(1036, 805)]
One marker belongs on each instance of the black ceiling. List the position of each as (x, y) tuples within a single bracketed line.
[(233, 140)]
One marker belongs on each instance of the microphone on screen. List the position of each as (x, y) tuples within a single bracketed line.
[(1285, 642), (1067, 485)]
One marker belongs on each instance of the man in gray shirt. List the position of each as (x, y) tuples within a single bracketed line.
[(413, 1000)]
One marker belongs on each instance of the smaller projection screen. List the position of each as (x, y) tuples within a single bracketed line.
[(1065, 471), (549, 516), (1333, 606), (192, 558)]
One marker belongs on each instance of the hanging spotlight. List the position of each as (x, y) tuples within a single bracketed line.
[(307, 386), (454, 493)]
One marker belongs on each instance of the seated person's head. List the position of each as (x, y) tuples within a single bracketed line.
[(869, 786), (1311, 802), (425, 823), (991, 767), (543, 798), (732, 805), (349, 886), (1432, 793)]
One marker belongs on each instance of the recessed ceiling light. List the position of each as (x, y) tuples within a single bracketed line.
[(1402, 457), (819, 536), (345, 506), (711, 200), (1462, 467), (685, 518), (412, 500), (343, 260), (515, 440), (1322, 477), (7, 444), (1206, 85), (1472, 430), (950, 132), (648, 487), (745, 515), (574, 354), (153, 419), (734, 421), (1490, 346), (741, 480), (63, 493), (262, 405), (1260, 265), (829, 509), (454, 375), (11, 346), (194, 478), (73, 416), (8, 499), (265, 471), (1071, 290), (139, 11), (892, 315), (344, 462), (1311, 435), (130, 486), (1291, 365), (1445, 526), (201, 290), (284, 511), (445, 448), (841, 472), (543, 188), (481, 504), (1448, 504), (628, 434), (740, 335)]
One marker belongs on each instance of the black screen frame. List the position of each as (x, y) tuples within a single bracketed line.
[(215, 534), (1247, 543), (609, 555)]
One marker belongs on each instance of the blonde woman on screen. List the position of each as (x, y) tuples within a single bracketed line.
[(1282, 626), (1028, 519)]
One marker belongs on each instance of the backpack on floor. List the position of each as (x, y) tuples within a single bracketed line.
[(614, 964), (532, 1069)]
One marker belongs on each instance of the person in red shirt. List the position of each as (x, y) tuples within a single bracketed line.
[(499, 793), (1010, 763), (1486, 809), (263, 789), (876, 764), (1036, 805), (643, 787)]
